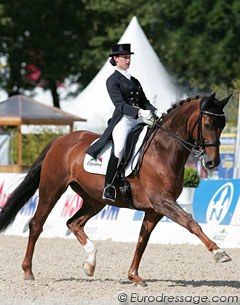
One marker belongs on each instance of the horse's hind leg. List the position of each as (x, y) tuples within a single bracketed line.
[(76, 224), (149, 222), (47, 200)]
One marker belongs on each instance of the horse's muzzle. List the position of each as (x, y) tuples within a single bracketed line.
[(210, 164)]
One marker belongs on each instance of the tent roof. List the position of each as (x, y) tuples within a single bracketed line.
[(22, 110)]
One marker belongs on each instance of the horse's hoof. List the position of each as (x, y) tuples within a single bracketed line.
[(29, 277), (139, 284), (88, 269), (221, 256)]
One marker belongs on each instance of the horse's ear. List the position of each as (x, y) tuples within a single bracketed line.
[(211, 97), (225, 100), (206, 103)]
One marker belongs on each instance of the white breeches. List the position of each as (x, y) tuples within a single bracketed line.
[(120, 133)]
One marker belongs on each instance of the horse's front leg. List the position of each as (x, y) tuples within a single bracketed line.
[(173, 211), (149, 222)]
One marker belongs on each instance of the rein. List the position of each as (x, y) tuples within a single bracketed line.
[(198, 148)]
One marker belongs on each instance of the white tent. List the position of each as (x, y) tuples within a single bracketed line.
[(94, 104)]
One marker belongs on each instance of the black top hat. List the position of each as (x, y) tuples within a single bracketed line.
[(121, 49)]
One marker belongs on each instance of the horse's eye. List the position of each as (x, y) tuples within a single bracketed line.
[(207, 126)]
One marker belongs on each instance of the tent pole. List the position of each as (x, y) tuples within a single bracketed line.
[(236, 171), (19, 147)]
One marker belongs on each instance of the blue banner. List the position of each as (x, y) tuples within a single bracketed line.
[(215, 201), (227, 155), (225, 169)]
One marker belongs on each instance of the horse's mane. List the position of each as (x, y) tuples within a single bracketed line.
[(180, 103)]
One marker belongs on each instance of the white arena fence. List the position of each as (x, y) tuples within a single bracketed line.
[(216, 206)]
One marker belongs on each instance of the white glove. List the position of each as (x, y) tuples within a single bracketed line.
[(146, 116), (145, 113), (158, 113)]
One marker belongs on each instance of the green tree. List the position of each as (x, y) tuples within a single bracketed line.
[(44, 38), (197, 41)]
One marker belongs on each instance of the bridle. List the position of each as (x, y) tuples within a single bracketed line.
[(198, 148)]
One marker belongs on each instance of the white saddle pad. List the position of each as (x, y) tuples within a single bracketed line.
[(99, 165)]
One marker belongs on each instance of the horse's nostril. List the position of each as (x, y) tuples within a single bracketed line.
[(210, 164)]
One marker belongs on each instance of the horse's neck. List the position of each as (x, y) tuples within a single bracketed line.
[(178, 120), (181, 120), (176, 127), (167, 145)]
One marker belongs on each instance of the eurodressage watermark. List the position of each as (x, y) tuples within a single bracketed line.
[(136, 298)]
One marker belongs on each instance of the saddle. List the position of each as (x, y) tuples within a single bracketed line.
[(131, 162), (132, 155)]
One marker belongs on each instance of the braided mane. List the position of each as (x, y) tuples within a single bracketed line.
[(180, 103)]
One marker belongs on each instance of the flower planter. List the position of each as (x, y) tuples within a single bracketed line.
[(186, 199)]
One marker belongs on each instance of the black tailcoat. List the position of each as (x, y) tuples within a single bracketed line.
[(128, 97)]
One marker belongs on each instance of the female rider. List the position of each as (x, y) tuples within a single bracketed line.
[(131, 108)]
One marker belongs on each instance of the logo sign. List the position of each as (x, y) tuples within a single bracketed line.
[(95, 162), (109, 213), (219, 204)]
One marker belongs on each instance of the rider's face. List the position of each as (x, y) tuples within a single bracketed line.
[(123, 61)]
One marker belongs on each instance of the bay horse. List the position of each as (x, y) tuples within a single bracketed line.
[(193, 124)]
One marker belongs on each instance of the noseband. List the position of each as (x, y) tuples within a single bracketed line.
[(198, 148)]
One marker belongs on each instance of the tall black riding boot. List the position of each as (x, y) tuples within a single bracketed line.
[(109, 192)]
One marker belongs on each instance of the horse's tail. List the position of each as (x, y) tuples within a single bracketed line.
[(23, 192)]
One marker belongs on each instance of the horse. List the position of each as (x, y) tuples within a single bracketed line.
[(190, 125)]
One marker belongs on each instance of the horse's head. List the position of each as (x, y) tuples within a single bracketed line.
[(207, 131)]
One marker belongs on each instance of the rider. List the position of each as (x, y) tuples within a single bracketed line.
[(131, 108)]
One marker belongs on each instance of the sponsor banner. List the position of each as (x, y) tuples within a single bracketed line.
[(215, 202), (55, 225), (226, 167), (227, 155), (8, 183), (216, 206)]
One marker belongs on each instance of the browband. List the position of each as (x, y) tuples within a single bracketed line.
[(212, 113)]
